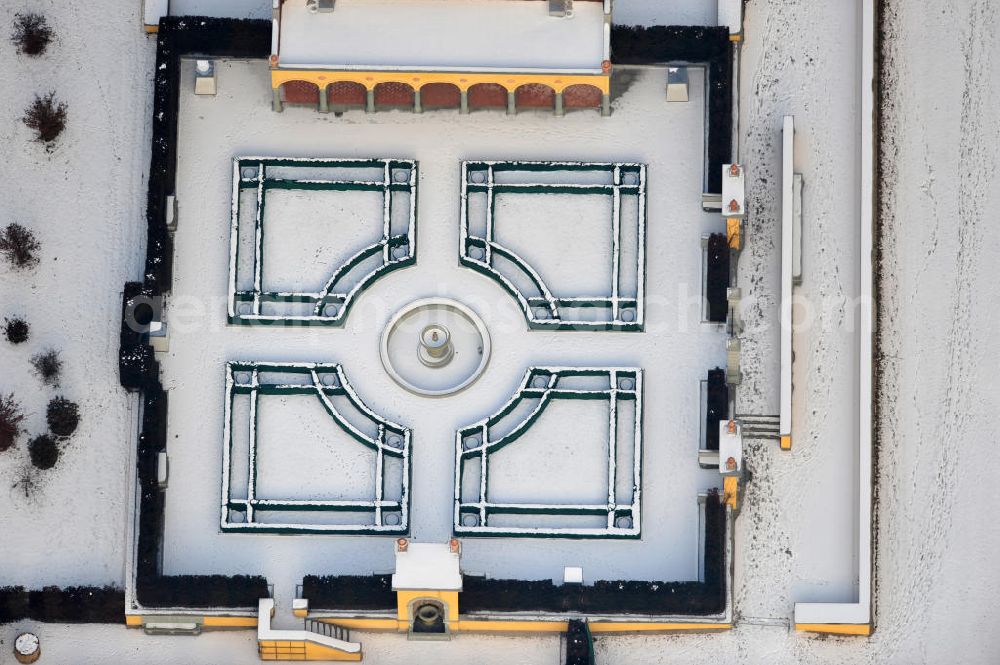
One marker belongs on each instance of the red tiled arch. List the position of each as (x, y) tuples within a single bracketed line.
[(346, 93), (582, 96), (394, 94), (487, 95), (300, 92), (535, 96), (440, 95)]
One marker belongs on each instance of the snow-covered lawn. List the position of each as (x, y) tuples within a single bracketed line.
[(85, 202)]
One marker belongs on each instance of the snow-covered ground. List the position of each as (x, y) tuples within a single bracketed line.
[(85, 201), (675, 351), (936, 578), (812, 548)]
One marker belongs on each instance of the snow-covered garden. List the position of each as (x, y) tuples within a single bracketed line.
[(276, 427)]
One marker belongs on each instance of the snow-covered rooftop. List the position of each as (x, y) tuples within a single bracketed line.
[(427, 566), (454, 35)]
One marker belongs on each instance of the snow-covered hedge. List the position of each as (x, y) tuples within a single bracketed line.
[(138, 369), (62, 605), (349, 592), (717, 408), (152, 588), (178, 37), (717, 279)]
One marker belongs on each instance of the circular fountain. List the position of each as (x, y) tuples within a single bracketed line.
[(435, 347)]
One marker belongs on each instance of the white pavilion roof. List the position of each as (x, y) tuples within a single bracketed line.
[(426, 566), (442, 35)]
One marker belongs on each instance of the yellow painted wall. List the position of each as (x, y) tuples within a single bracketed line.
[(207, 622), (463, 80), (730, 488), (835, 628), (230, 622), (366, 624), (484, 626), (733, 235), (302, 650)]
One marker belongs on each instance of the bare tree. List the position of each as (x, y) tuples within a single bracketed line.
[(32, 34), (47, 117), (16, 330), (19, 245), (48, 366), (11, 417), (27, 481)]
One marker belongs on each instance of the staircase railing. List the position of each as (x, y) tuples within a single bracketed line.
[(327, 629)]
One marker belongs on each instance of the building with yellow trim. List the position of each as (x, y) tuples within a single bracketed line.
[(368, 54)]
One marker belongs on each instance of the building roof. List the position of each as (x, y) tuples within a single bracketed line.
[(442, 35), (426, 567)]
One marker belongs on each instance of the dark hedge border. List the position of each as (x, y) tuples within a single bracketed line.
[(717, 279), (354, 592), (52, 604), (178, 37), (717, 408), (152, 588), (138, 370), (637, 45), (136, 363), (480, 594)]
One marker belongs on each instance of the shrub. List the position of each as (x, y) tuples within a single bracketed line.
[(48, 366), (47, 117), (202, 590), (371, 592), (44, 451), (32, 34), (19, 245), (62, 416), (16, 330), (10, 421)]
